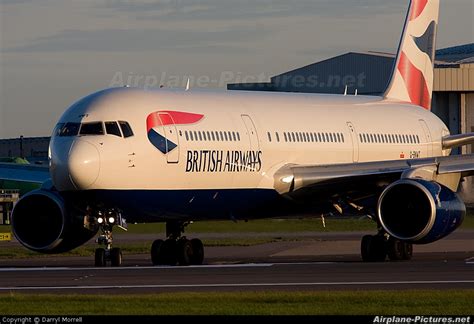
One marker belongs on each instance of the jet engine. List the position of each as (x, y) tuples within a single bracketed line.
[(44, 222), (419, 211)]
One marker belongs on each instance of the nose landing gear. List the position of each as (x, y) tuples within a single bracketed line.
[(106, 221), (177, 249)]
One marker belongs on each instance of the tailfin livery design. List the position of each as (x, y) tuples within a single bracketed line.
[(159, 121), (412, 79)]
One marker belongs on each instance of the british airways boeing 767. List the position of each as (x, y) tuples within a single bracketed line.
[(182, 156)]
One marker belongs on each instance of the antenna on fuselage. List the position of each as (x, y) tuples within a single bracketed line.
[(345, 91), (187, 85), (355, 94)]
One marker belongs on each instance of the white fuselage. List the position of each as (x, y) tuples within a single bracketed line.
[(271, 130)]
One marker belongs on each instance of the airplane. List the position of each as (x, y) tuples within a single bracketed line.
[(182, 156)]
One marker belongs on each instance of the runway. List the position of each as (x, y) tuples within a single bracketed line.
[(263, 276), (332, 265)]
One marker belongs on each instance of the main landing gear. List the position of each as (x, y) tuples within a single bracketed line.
[(106, 223), (177, 249), (375, 248)]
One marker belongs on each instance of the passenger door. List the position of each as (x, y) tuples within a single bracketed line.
[(251, 132), (355, 142), (171, 136)]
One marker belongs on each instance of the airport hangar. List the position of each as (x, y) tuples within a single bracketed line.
[(368, 74)]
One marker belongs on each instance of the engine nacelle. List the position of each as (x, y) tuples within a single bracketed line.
[(419, 211), (43, 222)]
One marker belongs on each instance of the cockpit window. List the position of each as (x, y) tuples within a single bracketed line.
[(112, 128), (67, 129), (94, 128), (126, 129)]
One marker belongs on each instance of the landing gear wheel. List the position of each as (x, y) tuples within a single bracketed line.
[(100, 260), (407, 251), (198, 252), (157, 252), (177, 249), (169, 255), (373, 248), (116, 257), (185, 252), (395, 249), (398, 250)]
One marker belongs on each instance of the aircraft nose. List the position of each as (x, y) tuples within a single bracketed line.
[(83, 164)]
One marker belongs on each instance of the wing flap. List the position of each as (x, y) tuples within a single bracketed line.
[(291, 178)]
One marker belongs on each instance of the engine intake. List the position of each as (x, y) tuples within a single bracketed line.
[(419, 211), (43, 222)]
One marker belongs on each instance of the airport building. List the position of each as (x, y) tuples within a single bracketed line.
[(368, 74), (34, 149)]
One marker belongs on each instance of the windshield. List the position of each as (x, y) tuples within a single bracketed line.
[(67, 129)]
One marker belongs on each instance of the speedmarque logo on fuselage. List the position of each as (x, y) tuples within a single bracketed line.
[(158, 122)]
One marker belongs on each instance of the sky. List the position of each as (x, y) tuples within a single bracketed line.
[(53, 52)]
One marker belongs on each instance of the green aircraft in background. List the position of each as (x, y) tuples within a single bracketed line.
[(17, 173)]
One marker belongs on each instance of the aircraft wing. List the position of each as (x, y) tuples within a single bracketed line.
[(369, 177), (25, 177)]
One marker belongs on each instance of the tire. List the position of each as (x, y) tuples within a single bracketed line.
[(168, 253), (365, 248), (100, 258), (407, 251), (157, 252), (373, 248), (198, 252), (185, 252), (116, 257), (395, 249), (379, 248)]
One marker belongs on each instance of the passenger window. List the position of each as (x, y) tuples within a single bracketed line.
[(417, 139), (269, 136), (126, 129), (68, 129), (186, 135), (225, 136), (94, 128), (112, 128), (277, 136), (312, 137), (343, 139), (293, 137), (204, 136), (234, 137), (238, 136), (284, 136)]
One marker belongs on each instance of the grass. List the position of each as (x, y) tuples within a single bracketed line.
[(433, 302), (266, 226)]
